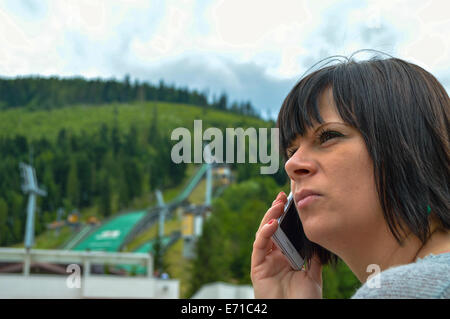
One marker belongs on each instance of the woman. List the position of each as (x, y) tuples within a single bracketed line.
[(371, 140)]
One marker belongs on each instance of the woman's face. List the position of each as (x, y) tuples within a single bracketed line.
[(332, 160)]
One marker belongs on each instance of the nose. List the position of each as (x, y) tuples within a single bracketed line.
[(299, 166)]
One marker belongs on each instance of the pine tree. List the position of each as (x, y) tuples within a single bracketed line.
[(130, 146), (105, 194), (3, 222), (212, 252), (122, 187), (160, 264), (115, 134), (85, 170), (133, 177), (17, 211), (153, 134), (222, 104), (73, 185), (50, 202)]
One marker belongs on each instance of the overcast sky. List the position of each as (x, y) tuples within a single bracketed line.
[(252, 49)]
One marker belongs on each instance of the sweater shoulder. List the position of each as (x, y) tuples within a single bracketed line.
[(426, 278)]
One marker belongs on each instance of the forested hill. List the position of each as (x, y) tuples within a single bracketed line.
[(39, 93), (99, 159)]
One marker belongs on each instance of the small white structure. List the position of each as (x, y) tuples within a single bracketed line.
[(221, 290), (78, 285)]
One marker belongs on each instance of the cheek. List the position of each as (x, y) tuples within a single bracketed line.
[(351, 202), (350, 176)]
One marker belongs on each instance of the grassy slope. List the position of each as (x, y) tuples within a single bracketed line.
[(80, 118), (50, 240)]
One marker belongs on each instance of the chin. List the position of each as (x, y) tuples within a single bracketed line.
[(318, 229)]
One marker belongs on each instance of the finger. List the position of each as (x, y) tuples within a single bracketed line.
[(277, 198), (315, 269), (263, 243), (273, 212)]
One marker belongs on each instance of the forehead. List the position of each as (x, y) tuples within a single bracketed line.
[(328, 113), (307, 107), (327, 107)]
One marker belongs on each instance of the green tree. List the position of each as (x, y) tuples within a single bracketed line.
[(4, 230), (105, 194), (50, 202), (17, 231), (73, 187), (115, 134), (153, 134), (130, 147), (209, 265), (245, 171), (85, 170), (222, 104), (160, 263), (156, 170), (122, 188), (339, 282), (17, 212), (62, 141), (133, 177)]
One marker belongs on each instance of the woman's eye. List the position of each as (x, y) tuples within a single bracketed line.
[(322, 136), (291, 152), (328, 135)]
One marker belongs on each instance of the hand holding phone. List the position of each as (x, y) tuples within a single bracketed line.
[(279, 251), (289, 236)]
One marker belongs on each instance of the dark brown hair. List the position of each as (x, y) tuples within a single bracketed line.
[(402, 112)]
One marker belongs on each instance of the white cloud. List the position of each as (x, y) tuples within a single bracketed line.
[(277, 41), (251, 29), (172, 37)]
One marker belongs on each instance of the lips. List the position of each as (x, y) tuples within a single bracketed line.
[(305, 197)]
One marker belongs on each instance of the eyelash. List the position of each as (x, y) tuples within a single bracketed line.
[(321, 135), (327, 133)]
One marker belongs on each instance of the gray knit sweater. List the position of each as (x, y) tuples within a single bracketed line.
[(426, 278)]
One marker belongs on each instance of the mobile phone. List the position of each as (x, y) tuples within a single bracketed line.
[(289, 236)]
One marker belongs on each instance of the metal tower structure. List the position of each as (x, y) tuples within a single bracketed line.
[(210, 161), (162, 212), (30, 187)]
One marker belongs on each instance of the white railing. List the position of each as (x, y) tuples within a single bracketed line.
[(86, 258), (27, 285)]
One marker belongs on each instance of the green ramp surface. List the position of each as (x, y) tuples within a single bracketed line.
[(148, 247), (192, 184), (110, 236)]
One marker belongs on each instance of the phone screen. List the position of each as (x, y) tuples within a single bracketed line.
[(292, 227)]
